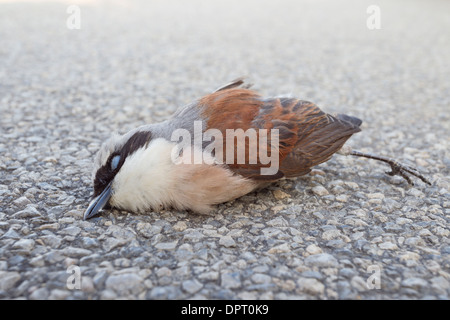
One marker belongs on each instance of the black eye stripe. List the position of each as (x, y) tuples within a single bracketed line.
[(136, 141), (105, 174)]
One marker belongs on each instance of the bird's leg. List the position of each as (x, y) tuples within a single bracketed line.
[(396, 167)]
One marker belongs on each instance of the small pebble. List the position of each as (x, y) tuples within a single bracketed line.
[(320, 191)]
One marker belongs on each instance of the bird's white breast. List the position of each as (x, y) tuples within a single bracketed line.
[(149, 179)]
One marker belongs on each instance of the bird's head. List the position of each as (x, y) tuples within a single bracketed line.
[(113, 157)]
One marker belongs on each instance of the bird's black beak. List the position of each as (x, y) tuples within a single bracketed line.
[(98, 203)]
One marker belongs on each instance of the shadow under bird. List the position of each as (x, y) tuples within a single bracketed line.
[(138, 171)]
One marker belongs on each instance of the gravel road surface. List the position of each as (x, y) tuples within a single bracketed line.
[(345, 231)]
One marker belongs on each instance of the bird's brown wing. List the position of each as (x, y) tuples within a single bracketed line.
[(306, 136), (319, 136)]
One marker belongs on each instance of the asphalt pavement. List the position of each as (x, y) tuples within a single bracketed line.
[(345, 231)]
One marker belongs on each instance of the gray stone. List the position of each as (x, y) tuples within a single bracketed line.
[(191, 286), (72, 231), (313, 249), (278, 222), (321, 260), (147, 230), (112, 243), (89, 242), (8, 280), (52, 241), (230, 280), (22, 201), (164, 272), (320, 191), (211, 276), (125, 283), (167, 245), (75, 252), (261, 278), (40, 294), (193, 235), (28, 212), (87, 284), (58, 294), (227, 241), (37, 261), (388, 246), (415, 283), (12, 234), (311, 286), (24, 244), (284, 247)]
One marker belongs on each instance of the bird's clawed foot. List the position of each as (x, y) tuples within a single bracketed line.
[(397, 169), (401, 170)]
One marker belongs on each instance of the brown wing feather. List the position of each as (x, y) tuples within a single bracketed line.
[(307, 135), (319, 136), (234, 109), (239, 82)]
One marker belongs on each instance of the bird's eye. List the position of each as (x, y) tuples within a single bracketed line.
[(115, 162)]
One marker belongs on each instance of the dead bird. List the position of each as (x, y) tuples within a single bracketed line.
[(221, 147)]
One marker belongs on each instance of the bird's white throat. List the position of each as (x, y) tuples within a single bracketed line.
[(146, 179)]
